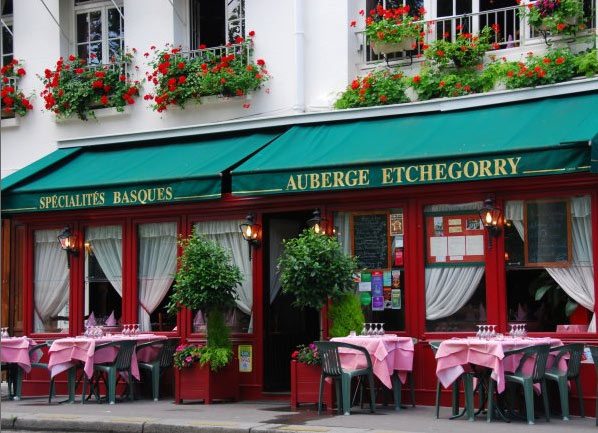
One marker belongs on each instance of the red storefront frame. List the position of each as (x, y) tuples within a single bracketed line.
[(412, 199)]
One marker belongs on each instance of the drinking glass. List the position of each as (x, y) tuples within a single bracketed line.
[(376, 329), (493, 332), (136, 329), (485, 332), (479, 333), (126, 329), (381, 328), (364, 330), (524, 330)]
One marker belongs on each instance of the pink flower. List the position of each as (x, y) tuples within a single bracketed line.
[(188, 359)]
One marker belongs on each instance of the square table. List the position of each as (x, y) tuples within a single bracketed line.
[(15, 350)]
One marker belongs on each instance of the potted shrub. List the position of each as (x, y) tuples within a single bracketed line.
[(206, 281), (345, 316), (554, 16), (305, 378), (392, 30)]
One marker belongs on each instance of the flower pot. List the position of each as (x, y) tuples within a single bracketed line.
[(392, 47), (570, 21), (201, 383), (305, 386)]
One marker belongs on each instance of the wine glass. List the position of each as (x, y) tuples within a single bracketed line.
[(126, 329), (493, 331), (363, 330), (485, 332), (381, 328), (479, 333), (136, 332), (524, 329)]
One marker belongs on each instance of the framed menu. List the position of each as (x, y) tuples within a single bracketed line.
[(370, 239), (454, 238), (547, 228)]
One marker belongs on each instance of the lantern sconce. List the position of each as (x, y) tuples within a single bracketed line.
[(319, 224), (68, 242), (491, 218), (251, 232)]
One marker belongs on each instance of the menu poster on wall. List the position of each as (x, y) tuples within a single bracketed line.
[(387, 278), (395, 299), (396, 224), (387, 298), (396, 279), (454, 238), (377, 303), (377, 291)]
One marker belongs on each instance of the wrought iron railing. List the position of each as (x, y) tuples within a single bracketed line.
[(242, 50), (513, 31)]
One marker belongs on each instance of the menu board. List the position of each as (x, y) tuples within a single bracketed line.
[(370, 239), (454, 238), (547, 233)]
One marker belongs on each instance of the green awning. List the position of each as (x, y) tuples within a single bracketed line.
[(548, 136), (93, 177)]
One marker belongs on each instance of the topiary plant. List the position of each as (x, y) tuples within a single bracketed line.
[(314, 268), (346, 316), (206, 280)]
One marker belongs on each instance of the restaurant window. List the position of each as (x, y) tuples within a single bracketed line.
[(215, 23), (103, 275), (156, 268), (227, 234), (50, 283), (549, 263), (7, 32), (376, 238), (99, 28), (455, 267)]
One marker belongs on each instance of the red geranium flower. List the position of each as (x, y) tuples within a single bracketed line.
[(353, 24), (559, 61), (260, 62), (251, 33), (104, 99)]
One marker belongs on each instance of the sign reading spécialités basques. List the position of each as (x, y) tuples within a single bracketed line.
[(89, 199)]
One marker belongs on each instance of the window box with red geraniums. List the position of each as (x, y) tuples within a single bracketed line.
[(554, 16), (377, 88), (392, 30), (76, 88), (13, 100), (466, 52), (179, 78)]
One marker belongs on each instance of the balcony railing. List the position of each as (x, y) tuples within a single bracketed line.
[(242, 50), (513, 32)]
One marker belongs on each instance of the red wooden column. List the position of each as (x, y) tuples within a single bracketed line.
[(595, 247)]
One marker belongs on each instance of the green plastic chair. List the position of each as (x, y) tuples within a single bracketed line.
[(594, 352), (158, 366), (540, 355), (575, 352), (467, 379), (122, 363), (331, 367)]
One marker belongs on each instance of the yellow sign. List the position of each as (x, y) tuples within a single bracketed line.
[(245, 358)]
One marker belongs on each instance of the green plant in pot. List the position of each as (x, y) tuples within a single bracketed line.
[(206, 281), (313, 269), (346, 316)]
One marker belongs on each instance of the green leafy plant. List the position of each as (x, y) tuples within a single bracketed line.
[(554, 16), (394, 25), (75, 87), (586, 63), (376, 88), (346, 316), (555, 67), (179, 78), (13, 100), (307, 354), (434, 83), (467, 51), (206, 280), (314, 268), (186, 355)]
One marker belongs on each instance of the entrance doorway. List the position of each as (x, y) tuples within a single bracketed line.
[(285, 326)]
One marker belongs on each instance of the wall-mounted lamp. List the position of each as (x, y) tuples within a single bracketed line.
[(491, 216), (68, 242), (251, 232), (319, 224)]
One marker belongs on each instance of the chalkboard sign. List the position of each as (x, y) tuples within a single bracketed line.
[(547, 233), (370, 239)]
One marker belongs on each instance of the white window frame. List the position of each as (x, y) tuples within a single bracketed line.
[(228, 23), (98, 6), (7, 20)]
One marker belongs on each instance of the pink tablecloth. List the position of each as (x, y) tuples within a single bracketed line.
[(16, 350), (65, 351), (571, 328), (453, 354), (388, 353)]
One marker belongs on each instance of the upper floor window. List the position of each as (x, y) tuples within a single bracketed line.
[(99, 29), (216, 23), (7, 32)]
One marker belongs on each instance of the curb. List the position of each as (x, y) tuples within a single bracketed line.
[(45, 422)]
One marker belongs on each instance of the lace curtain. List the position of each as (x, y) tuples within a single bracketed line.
[(227, 234), (578, 279), (157, 267), (106, 244), (50, 279), (450, 288)]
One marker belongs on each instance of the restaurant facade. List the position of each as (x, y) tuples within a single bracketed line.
[(403, 191)]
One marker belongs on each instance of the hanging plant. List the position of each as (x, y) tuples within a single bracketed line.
[(394, 29), (13, 100), (554, 16), (225, 71), (75, 87)]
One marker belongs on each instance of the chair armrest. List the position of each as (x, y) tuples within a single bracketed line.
[(359, 349), (39, 346), (149, 344)]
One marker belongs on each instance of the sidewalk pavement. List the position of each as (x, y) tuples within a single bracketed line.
[(146, 416)]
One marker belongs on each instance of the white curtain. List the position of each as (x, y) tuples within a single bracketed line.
[(50, 280), (342, 221), (578, 279), (157, 267), (228, 235), (106, 244), (449, 288)]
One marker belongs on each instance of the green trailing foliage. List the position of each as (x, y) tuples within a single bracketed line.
[(314, 268), (346, 316), (376, 88)]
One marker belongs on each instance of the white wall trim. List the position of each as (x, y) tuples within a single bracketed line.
[(438, 105)]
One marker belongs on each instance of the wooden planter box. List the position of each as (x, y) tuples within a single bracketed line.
[(201, 383), (305, 386)]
